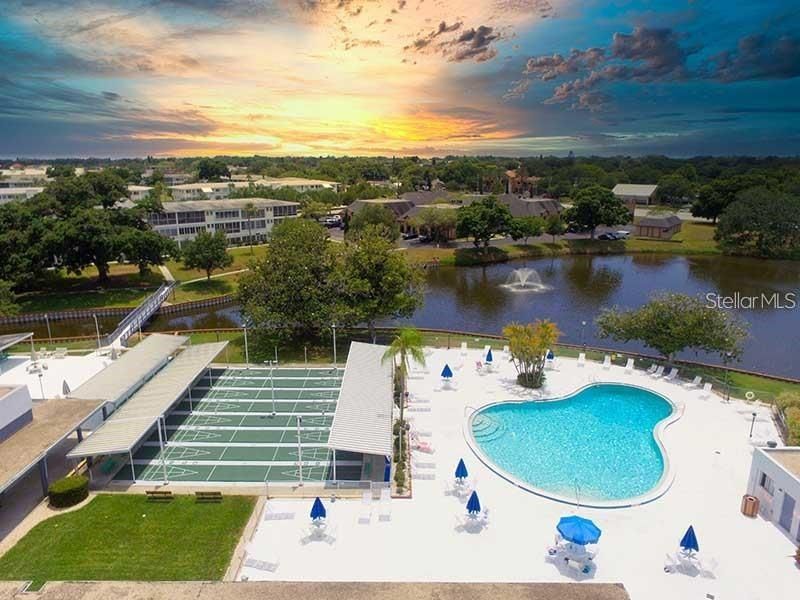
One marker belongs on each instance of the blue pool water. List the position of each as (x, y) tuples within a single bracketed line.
[(600, 439)]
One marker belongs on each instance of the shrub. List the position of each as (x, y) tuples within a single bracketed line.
[(793, 425), (400, 476), (68, 491)]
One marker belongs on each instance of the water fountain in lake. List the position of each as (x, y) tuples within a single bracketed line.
[(525, 280)]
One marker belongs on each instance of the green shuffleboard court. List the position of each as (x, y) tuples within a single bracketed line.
[(249, 426)]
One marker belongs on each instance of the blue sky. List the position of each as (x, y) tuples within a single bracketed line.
[(512, 77)]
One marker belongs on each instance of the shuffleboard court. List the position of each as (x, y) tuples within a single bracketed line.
[(225, 431)]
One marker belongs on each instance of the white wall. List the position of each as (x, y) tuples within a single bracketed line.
[(783, 482), (14, 404)]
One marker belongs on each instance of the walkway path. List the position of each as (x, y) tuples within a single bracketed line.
[(166, 273)]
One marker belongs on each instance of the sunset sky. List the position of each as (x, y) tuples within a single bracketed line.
[(427, 77)]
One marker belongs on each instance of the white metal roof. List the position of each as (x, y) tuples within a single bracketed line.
[(122, 376), (634, 189), (130, 423), (12, 339), (363, 418)]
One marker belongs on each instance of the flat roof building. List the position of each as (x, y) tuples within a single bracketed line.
[(181, 221), (661, 227), (635, 192), (775, 481), (20, 193)]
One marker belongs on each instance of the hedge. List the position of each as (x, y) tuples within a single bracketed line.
[(68, 491)]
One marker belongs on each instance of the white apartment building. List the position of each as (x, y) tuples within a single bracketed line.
[(181, 221), (11, 194), (206, 191), (298, 183), (138, 192)]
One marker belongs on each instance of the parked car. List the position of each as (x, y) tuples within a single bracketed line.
[(410, 235), (622, 234), (424, 239), (607, 237)]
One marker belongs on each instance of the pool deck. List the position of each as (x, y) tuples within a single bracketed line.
[(709, 450)]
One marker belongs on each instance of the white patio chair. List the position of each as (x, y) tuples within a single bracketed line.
[(652, 369), (673, 373), (463, 348), (365, 512), (709, 569), (706, 393), (629, 367), (385, 512), (60, 353), (670, 564), (506, 350), (581, 359), (270, 564), (695, 383), (658, 372), (607, 362)]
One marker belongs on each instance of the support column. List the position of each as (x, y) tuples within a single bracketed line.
[(105, 412), (133, 471), (334, 464), (80, 434), (43, 475)]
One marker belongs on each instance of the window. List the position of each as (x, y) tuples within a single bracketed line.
[(767, 484), (193, 216), (227, 214)]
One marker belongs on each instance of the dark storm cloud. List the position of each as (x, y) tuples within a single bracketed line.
[(475, 44), (758, 57)]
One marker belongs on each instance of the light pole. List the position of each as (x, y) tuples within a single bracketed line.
[(333, 326), (299, 450), (752, 424), (49, 334), (271, 364), (246, 350), (41, 386), (97, 331), (583, 335), (728, 357)]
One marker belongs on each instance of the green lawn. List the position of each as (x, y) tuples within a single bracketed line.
[(200, 290), (125, 537), (63, 291), (241, 258)]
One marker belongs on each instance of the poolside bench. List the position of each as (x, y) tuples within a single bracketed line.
[(208, 496), (158, 495)]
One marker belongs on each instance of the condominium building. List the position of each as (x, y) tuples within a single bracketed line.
[(206, 191), (21, 193), (299, 184), (181, 221), (138, 192)]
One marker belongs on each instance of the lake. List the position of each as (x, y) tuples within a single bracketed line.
[(577, 288)]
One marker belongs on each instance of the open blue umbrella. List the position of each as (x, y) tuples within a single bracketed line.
[(447, 373), (318, 510), (474, 504), (578, 530), (461, 470), (689, 540), (489, 357)]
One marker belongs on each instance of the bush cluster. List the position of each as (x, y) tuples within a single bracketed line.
[(68, 491), (789, 404)]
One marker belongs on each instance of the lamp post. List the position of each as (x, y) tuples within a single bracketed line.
[(583, 335), (752, 424), (49, 334), (299, 450), (41, 386), (246, 350), (333, 327), (97, 331), (728, 357), (271, 364)]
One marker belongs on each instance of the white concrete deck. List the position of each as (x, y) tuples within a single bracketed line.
[(710, 452), (74, 369)]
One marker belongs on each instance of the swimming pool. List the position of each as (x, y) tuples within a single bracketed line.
[(597, 445)]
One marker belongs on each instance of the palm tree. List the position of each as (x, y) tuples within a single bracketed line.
[(406, 345)]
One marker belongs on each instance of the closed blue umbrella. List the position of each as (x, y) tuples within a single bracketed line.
[(578, 530), (461, 470), (474, 504), (447, 373), (489, 357), (689, 540), (550, 355), (318, 510)]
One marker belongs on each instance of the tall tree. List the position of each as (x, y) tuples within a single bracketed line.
[(288, 292), (375, 282), (406, 346), (594, 206), (671, 323), (523, 228), (146, 248), (482, 220), (528, 345), (675, 190), (761, 223), (8, 300), (208, 251), (212, 169), (375, 218), (438, 222), (555, 226)]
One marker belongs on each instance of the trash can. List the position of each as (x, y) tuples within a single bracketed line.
[(749, 505)]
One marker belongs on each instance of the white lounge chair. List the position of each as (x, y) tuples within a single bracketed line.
[(581, 359), (607, 362), (629, 367), (506, 350), (463, 348), (673, 373), (708, 569), (670, 564), (706, 390), (385, 512), (658, 372), (695, 383), (365, 512), (652, 369)]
